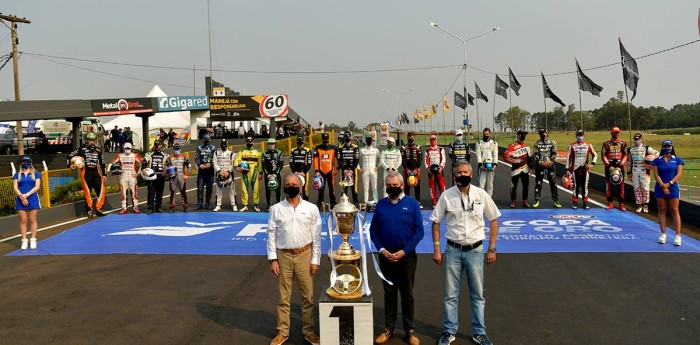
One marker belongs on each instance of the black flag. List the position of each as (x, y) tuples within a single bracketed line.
[(470, 99), (460, 101), (549, 94), (501, 87), (586, 84), (479, 94), (514, 83), (630, 72)]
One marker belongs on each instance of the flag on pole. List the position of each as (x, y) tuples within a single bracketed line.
[(548, 92), (426, 113), (445, 106), (433, 108), (501, 87), (514, 83), (630, 72), (479, 94), (404, 117), (586, 84), (470, 99), (460, 101)]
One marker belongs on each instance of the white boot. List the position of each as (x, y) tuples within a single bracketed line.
[(217, 208), (25, 243), (32, 243)]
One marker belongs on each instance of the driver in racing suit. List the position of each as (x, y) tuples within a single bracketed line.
[(272, 163), (390, 159), (487, 152), (348, 160), (254, 159), (223, 162), (300, 162), (459, 151), (614, 155), (435, 164), (578, 164), (411, 159), (638, 170), (155, 160), (178, 183), (325, 166), (545, 152), (368, 168), (93, 174), (130, 164), (518, 155), (203, 157)]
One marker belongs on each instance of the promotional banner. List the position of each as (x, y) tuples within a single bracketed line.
[(234, 233), (384, 133), (123, 106), (236, 108), (183, 103)]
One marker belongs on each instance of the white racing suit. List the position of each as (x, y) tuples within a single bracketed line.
[(390, 160), (640, 172), (223, 160), (486, 151), (368, 163), (130, 165), (577, 160)]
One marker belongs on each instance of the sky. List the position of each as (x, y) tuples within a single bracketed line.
[(316, 35)]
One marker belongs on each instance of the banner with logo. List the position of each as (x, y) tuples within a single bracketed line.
[(122, 106), (384, 133), (183, 103), (236, 108)]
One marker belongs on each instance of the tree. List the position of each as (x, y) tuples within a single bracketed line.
[(512, 118)]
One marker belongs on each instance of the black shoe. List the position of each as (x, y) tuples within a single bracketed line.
[(198, 207), (150, 211), (208, 206), (184, 208), (90, 214), (172, 209), (99, 213), (158, 210)]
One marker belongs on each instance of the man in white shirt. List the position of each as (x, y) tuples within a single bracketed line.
[(463, 208), (294, 252)]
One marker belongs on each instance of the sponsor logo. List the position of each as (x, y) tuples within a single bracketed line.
[(183, 103), (571, 216)]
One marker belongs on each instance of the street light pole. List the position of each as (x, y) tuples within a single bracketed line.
[(13, 31), (464, 43)]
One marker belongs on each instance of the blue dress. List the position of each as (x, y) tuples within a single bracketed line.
[(25, 184), (666, 172)]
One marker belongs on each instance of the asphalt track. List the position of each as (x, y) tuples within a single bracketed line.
[(558, 298)]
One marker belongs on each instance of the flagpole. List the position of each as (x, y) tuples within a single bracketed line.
[(629, 115), (478, 119), (493, 116), (510, 110), (580, 104)]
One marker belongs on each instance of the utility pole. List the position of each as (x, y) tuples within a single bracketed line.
[(13, 30)]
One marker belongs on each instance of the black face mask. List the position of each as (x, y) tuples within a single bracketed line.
[(393, 192), (291, 191), (410, 141), (223, 147), (486, 138), (325, 142), (543, 137), (300, 143), (521, 137), (249, 145), (368, 142), (614, 136), (463, 181), (348, 140)]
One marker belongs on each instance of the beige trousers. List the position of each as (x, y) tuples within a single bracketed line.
[(295, 268)]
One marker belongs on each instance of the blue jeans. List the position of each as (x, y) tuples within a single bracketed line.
[(457, 261)]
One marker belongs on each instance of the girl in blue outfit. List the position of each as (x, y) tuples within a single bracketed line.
[(26, 184), (667, 170)]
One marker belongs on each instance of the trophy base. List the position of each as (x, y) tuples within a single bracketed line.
[(337, 256), (335, 294)]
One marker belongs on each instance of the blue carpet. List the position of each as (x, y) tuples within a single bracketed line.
[(233, 233)]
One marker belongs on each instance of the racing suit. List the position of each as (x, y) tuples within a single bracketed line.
[(254, 159), (390, 160), (435, 155), (223, 160), (614, 155), (179, 182), (156, 161), (348, 159), (92, 176), (640, 171), (205, 176), (130, 165), (486, 152), (577, 164), (518, 154), (325, 165), (458, 152), (272, 163), (368, 163), (545, 151), (411, 159), (300, 162)]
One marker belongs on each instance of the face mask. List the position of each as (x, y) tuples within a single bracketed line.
[(486, 138), (410, 141), (579, 139), (458, 138), (157, 148), (249, 145), (91, 146), (389, 145), (224, 147), (347, 140), (637, 142), (25, 165), (614, 136), (127, 151), (543, 137), (666, 150), (291, 191), (325, 142), (300, 143), (393, 192), (463, 181), (177, 152), (521, 137), (369, 142)]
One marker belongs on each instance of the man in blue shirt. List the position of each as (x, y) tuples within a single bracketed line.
[(396, 230)]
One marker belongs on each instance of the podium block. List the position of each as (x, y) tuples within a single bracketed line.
[(346, 322)]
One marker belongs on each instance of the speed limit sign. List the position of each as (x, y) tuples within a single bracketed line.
[(274, 106)]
